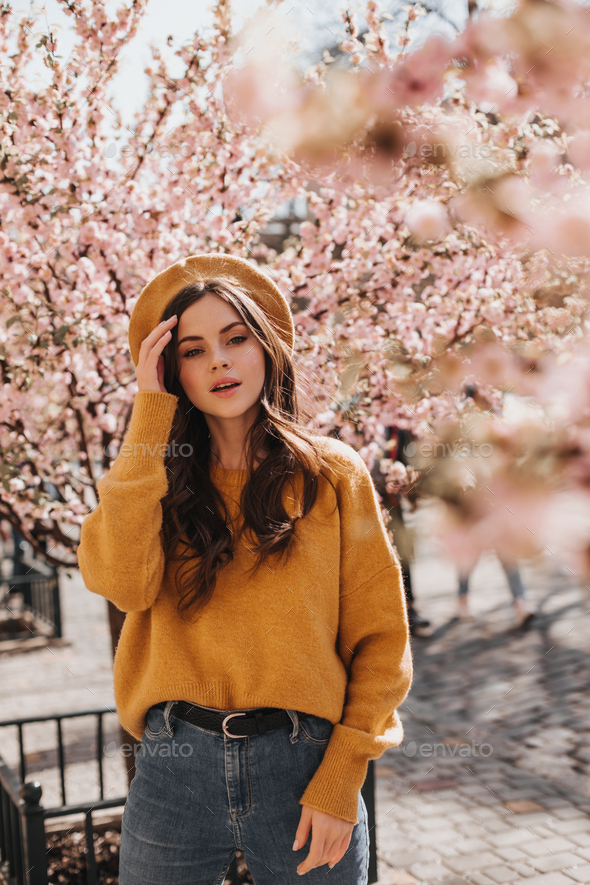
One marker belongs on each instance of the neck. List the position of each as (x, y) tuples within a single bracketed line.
[(237, 463)]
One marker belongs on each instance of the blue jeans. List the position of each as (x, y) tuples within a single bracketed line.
[(197, 795)]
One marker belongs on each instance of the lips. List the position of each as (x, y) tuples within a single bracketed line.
[(226, 380)]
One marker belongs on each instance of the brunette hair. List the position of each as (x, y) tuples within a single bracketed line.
[(194, 513)]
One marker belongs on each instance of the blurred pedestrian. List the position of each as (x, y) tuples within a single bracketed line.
[(403, 540), (524, 612)]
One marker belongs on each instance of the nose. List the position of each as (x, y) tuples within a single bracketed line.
[(220, 359)]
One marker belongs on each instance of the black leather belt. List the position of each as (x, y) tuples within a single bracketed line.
[(250, 722)]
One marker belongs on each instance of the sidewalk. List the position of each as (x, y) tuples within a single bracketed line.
[(492, 783)]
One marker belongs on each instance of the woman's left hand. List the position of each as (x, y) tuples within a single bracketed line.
[(330, 838)]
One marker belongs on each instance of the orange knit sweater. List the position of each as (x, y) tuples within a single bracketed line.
[(325, 633)]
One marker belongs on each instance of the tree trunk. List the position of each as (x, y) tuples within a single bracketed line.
[(116, 621)]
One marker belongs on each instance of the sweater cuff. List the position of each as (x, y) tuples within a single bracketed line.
[(335, 786), (148, 430)]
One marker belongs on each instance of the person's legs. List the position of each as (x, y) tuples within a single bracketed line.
[(267, 776), (514, 579), (403, 543), (406, 574), (463, 609), (524, 611), (177, 828)]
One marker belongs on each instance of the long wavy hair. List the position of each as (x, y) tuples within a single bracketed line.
[(195, 519)]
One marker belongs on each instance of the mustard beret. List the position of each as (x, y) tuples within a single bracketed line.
[(162, 289)]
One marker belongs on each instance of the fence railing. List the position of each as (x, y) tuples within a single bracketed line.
[(40, 591), (23, 849)]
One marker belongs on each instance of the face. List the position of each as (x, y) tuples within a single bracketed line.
[(208, 351)]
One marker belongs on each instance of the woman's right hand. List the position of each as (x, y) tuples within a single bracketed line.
[(150, 366)]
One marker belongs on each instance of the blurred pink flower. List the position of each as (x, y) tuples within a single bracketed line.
[(427, 220)]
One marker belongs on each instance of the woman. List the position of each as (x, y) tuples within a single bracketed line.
[(265, 648)]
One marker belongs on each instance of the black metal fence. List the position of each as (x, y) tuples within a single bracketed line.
[(23, 848), (40, 591)]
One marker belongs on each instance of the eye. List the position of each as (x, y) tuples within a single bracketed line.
[(238, 338)]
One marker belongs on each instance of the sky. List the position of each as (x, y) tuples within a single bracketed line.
[(318, 23)]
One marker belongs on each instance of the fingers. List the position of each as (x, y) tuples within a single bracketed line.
[(330, 839), (150, 366), (162, 327), (303, 828), (341, 851), (317, 851), (157, 339)]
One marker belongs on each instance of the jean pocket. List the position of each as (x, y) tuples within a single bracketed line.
[(155, 724), (316, 730)]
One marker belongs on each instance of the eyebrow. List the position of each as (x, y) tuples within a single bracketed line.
[(221, 331)]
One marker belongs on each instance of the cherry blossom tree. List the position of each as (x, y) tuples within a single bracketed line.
[(448, 257), (414, 275)]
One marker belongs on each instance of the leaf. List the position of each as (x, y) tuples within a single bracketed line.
[(15, 319), (61, 333)]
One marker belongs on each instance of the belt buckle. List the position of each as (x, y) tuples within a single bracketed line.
[(224, 727)]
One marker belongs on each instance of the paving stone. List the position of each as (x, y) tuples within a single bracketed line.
[(556, 802), (540, 847), (581, 839), (567, 827), (397, 877), (454, 880), (547, 879), (407, 858), (511, 836), (523, 869), (530, 820), (434, 837), (500, 874), (583, 852), (581, 874), (554, 861), (511, 853), (477, 861), (466, 846), (486, 814), (545, 831), (443, 807), (390, 841), (497, 826), (428, 871), (567, 813), (433, 823), (474, 830), (481, 879)]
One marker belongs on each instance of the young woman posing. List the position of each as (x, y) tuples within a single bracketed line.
[(265, 649)]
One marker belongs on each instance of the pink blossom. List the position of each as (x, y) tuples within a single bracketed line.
[(427, 220)]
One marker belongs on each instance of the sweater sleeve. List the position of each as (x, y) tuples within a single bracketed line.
[(373, 642), (120, 552)]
